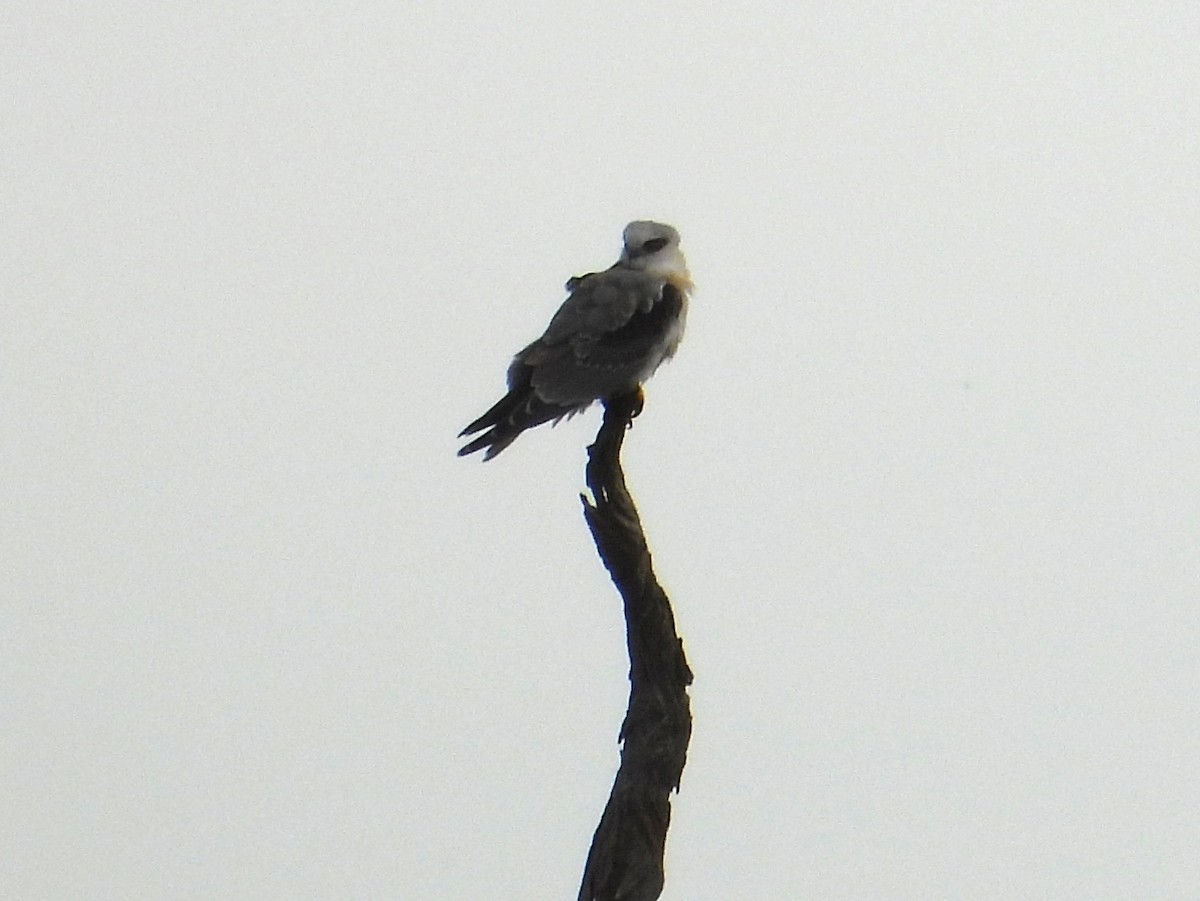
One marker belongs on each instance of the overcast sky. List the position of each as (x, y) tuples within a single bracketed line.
[(922, 483)]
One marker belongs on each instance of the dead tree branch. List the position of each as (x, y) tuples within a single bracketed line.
[(625, 861)]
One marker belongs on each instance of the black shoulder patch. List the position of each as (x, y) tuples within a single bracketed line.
[(646, 328)]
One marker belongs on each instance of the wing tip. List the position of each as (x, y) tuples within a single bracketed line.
[(491, 443)]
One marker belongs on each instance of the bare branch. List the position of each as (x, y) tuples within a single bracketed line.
[(626, 858)]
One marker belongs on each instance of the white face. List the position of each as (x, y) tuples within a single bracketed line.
[(654, 248)]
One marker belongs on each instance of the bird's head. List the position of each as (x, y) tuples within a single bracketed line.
[(653, 248)]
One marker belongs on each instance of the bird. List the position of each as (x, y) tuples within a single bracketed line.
[(613, 331)]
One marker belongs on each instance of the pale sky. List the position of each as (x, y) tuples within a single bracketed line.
[(922, 482)]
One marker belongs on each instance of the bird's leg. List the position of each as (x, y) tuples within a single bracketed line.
[(638, 402), (627, 404)]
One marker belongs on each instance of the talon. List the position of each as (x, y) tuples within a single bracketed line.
[(639, 402)]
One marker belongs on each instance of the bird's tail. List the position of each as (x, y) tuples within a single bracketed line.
[(517, 411)]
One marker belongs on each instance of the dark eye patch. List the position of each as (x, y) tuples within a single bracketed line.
[(654, 245)]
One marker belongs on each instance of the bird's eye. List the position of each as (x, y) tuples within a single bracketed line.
[(654, 245)]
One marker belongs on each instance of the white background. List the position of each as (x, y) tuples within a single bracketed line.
[(922, 483)]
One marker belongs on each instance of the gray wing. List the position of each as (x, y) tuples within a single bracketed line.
[(602, 339), (601, 303)]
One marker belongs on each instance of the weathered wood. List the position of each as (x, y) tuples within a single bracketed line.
[(625, 862)]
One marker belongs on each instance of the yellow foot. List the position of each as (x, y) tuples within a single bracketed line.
[(639, 401)]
